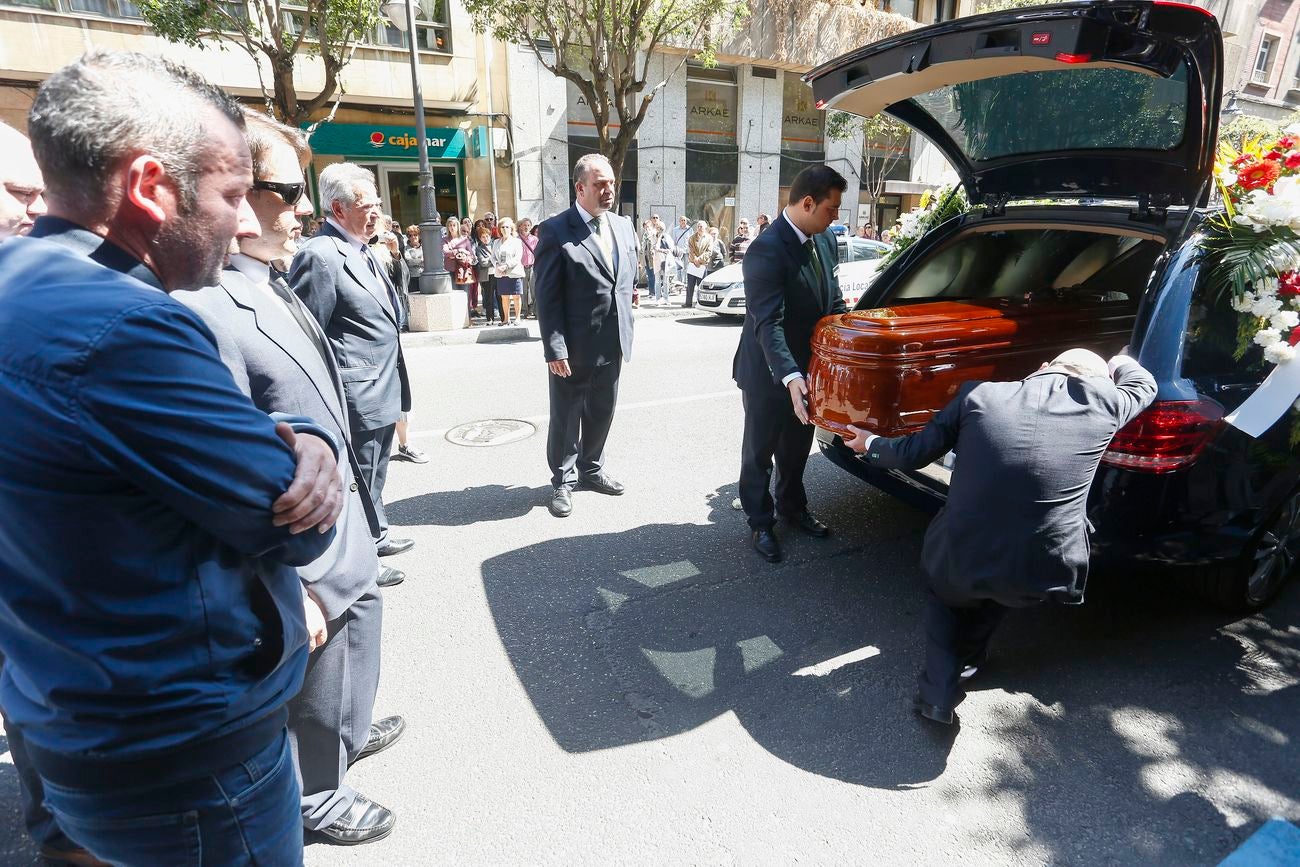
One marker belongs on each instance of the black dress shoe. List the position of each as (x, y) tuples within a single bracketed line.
[(395, 546), (601, 483), (934, 713), (364, 822), (390, 577), (808, 522), (561, 504), (383, 734), (767, 546)]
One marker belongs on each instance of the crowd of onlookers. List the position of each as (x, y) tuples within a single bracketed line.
[(491, 259)]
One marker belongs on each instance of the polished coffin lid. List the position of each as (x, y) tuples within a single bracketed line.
[(861, 360)]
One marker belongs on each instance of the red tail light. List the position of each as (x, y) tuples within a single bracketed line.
[(1063, 57), (1168, 435)]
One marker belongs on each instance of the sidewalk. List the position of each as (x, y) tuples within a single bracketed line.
[(527, 328)]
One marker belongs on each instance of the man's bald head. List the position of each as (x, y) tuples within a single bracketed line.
[(21, 186), (1080, 362)]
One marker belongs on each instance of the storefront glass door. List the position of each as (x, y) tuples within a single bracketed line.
[(400, 189)]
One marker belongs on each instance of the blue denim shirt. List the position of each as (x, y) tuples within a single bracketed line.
[(146, 600)]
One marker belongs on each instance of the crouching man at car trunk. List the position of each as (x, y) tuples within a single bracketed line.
[(1027, 452)]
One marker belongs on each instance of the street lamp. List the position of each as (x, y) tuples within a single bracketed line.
[(434, 279)]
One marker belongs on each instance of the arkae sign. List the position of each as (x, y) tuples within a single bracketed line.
[(375, 140)]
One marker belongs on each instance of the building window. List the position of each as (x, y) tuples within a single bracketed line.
[(432, 29), (906, 8), (945, 10), (105, 8), (712, 155), (1264, 60)]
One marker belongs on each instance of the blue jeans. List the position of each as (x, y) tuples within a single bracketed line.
[(650, 281), (247, 813)]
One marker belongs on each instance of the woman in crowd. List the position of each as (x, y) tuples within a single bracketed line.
[(529, 241), (718, 256), (414, 256), (649, 241), (508, 254), (699, 252), (762, 222), (458, 259), (399, 275), (485, 268), (664, 261)]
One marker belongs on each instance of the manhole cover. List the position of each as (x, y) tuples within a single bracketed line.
[(491, 432)]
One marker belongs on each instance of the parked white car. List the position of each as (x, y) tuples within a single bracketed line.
[(723, 291)]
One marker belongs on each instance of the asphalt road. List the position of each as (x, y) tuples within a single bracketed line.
[(632, 685)]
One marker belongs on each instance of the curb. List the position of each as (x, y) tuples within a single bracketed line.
[(465, 336)]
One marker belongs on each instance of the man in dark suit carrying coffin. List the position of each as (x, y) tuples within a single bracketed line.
[(790, 284), (1027, 452), (585, 268), (348, 291)]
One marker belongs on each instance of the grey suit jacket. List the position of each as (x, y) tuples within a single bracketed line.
[(279, 368), (1015, 527), (352, 305), (584, 306)]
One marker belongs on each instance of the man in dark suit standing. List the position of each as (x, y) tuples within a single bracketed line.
[(585, 267), (790, 284), (1014, 531), (281, 359), (346, 289)]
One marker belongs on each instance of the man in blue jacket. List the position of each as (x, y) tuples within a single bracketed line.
[(150, 616)]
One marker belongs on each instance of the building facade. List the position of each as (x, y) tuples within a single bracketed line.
[(724, 142), (462, 79)]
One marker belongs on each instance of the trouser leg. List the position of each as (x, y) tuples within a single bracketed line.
[(38, 821), (330, 717), (762, 429), (567, 397), (954, 637), (791, 456), (597, 417), (371, 448)]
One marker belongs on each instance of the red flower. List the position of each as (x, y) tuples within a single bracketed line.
[(1292, 160), (1273, 155), (1242, 160), (1286, 143), (1294, 339), (1258, 176), (1288, 285)]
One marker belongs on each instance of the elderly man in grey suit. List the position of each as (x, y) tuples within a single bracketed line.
[(1027, 452), (281, 358), (349, 293), (585, 267)]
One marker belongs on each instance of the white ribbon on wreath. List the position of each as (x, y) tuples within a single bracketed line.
[(1270, 401)]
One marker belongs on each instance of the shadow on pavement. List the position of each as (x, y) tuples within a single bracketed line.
[(712, 320), (1142, 726), (467, 506)]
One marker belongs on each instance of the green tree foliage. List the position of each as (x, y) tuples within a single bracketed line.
[(325, 29), (605, 48), (886, 142), (1246, 128)]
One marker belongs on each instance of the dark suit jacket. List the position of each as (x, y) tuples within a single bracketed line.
[(783, 303), (1015, 528), (584, 308), (338, 287), (277, 365)]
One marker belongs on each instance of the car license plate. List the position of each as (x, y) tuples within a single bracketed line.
[(709, 296)]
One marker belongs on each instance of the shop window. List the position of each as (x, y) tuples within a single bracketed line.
[(803, 131), (712, 155)]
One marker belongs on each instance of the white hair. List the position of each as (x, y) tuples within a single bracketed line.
[(1080, 362), (344, 182)]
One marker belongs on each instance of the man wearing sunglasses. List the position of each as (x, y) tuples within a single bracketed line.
[(282, 359)]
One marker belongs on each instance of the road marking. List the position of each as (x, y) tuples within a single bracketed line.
[(622, 407), (822, 669)]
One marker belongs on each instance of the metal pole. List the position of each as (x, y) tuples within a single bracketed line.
[(491, 130), (434, 279)]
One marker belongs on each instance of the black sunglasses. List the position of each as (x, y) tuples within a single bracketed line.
[(291, 193)]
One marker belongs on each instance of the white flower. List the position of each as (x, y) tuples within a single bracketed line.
[(1228, 177), (1244, 303), (1267, 337), (1284, 320), (1280, 208), (1279, 353), (1265, 307), (1295, 302), (1267, 287)]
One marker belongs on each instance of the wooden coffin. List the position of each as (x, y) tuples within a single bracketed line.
[(890, 370)]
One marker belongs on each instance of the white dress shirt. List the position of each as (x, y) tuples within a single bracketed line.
[(604, 235)]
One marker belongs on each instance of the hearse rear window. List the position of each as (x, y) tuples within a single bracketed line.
[(1070, 109), (1031, 264)]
